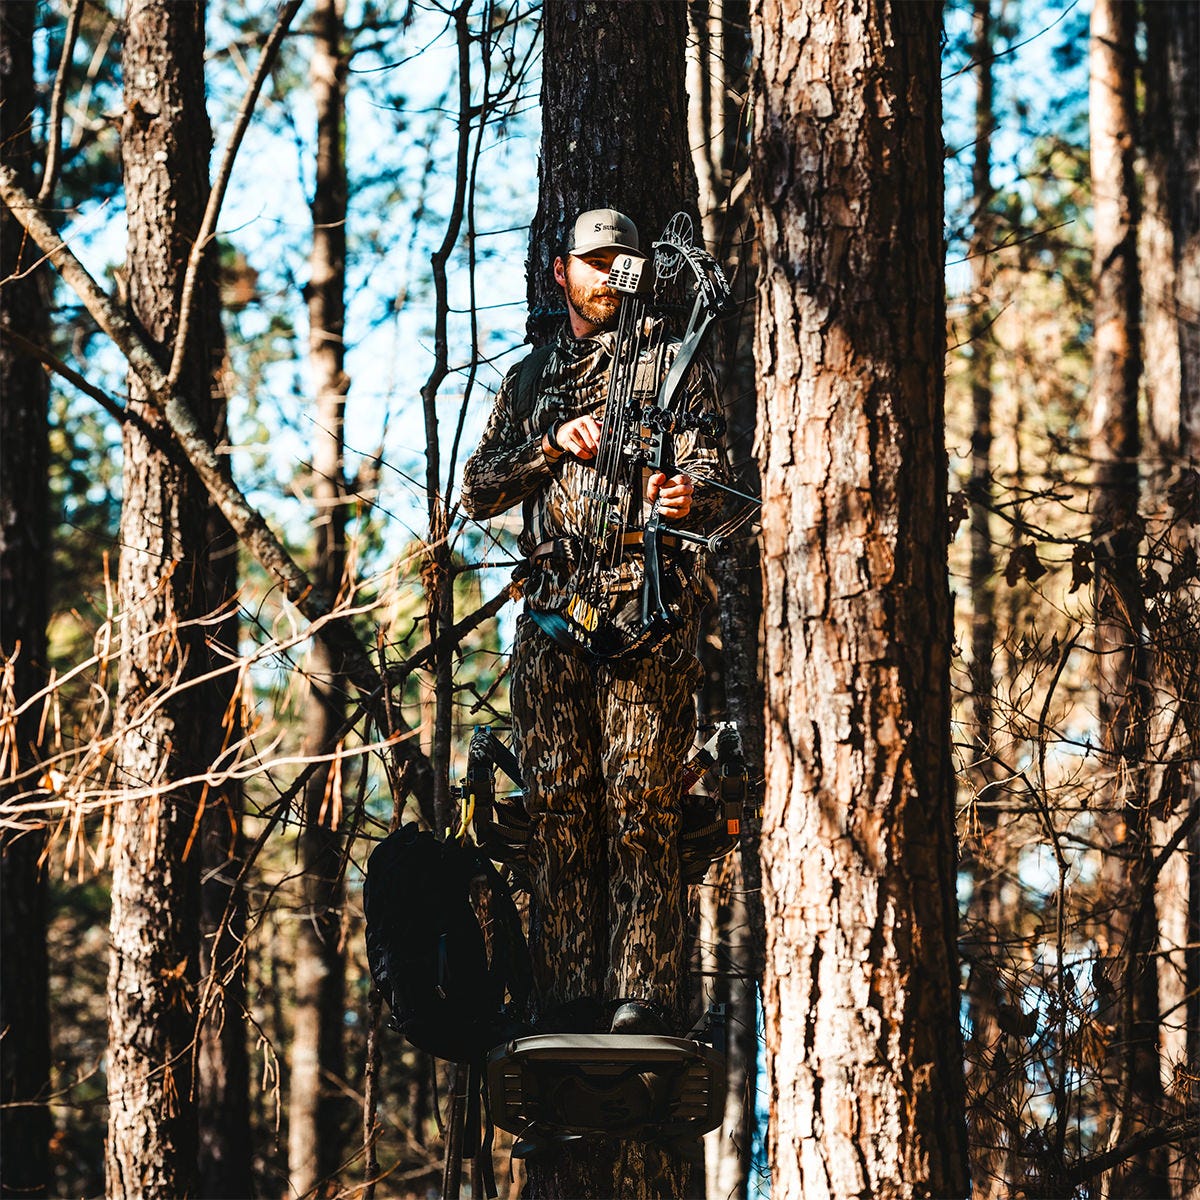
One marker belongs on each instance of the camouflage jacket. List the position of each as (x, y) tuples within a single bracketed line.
[(509, 466)]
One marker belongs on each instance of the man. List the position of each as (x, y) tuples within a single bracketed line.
[(600, 743)]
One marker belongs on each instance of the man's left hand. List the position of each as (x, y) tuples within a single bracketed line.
[(674, 495)]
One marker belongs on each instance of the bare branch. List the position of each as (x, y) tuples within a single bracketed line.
[(216, 197), (53, 363), (57, 100), (1145, 1139), (246, 521)]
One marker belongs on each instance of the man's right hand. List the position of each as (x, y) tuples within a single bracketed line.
[(579, 436)]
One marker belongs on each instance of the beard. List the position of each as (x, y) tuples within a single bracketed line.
[(598, 306)]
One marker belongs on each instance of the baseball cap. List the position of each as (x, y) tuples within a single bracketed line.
[(603, 229)]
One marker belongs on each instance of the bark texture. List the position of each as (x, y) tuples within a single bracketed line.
[(1169, 261), (1122, 666), (614, 130), (318, 1054), (614, 134), (1115, 435), (152, 1142), (24, 554), (983, 566), (861, 992), (731, 924)]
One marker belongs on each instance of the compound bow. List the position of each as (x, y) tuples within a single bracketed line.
[(637, 438)]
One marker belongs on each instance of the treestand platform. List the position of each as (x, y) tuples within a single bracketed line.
[(622, 1085)]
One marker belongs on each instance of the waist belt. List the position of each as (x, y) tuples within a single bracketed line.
[(634, 537)]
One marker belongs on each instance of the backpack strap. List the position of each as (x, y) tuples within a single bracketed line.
[(529, 375), (478, 1129), (511, 966)]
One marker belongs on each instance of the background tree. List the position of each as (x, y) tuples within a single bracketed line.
[(1122, 662), (24, 610), (152, 1145), (1169, 262), (317, 1050), (988, 1136), (730, 900), (861, 990)]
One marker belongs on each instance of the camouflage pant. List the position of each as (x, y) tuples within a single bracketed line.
[(600, 748)]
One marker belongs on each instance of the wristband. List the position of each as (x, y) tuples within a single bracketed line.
[(552, 438)]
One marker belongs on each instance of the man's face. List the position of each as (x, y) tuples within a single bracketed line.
[(584, 280)]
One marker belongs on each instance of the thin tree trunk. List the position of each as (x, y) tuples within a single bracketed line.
[(706, 108), (983, 566), (728, 940), (1115, 440), (437, 574), (152, 1140), (717, 61), (24, 555), (1169, 260), (1122, 666), (614, 133), (318, 1053), (861, 991), (988, 912)]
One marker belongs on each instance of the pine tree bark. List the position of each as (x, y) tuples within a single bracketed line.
[(166, 140), (614, 133), (614, 130), (318, 1050), (24, 555), (1122, 667), (983, 566), (1169, 261), (1115, 435), (861, 991)]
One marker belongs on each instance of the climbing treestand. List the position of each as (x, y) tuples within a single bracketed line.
[(555, 1088)]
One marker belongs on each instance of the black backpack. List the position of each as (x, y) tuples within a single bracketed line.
[(426, 949)]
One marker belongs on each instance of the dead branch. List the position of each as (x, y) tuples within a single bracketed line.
[(245, 520), (57, 101), (1185, 1130), (55, 364), (216, 195)]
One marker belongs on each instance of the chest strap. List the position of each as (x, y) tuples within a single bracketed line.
[(563, 545)]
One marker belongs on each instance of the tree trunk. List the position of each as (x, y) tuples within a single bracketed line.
[(1115, 442), (983, 566), (614, 130), (861, 992), (706, 64), (1122, 666), (728, 944), (614, 133), (988, 913), (24, 555), (718, 54), (166, 140), (318, 1052), (1169, 260)]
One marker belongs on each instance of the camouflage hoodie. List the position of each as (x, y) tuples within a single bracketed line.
[(509, 466)]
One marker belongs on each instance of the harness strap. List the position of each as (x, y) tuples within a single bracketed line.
[(634, 537)]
